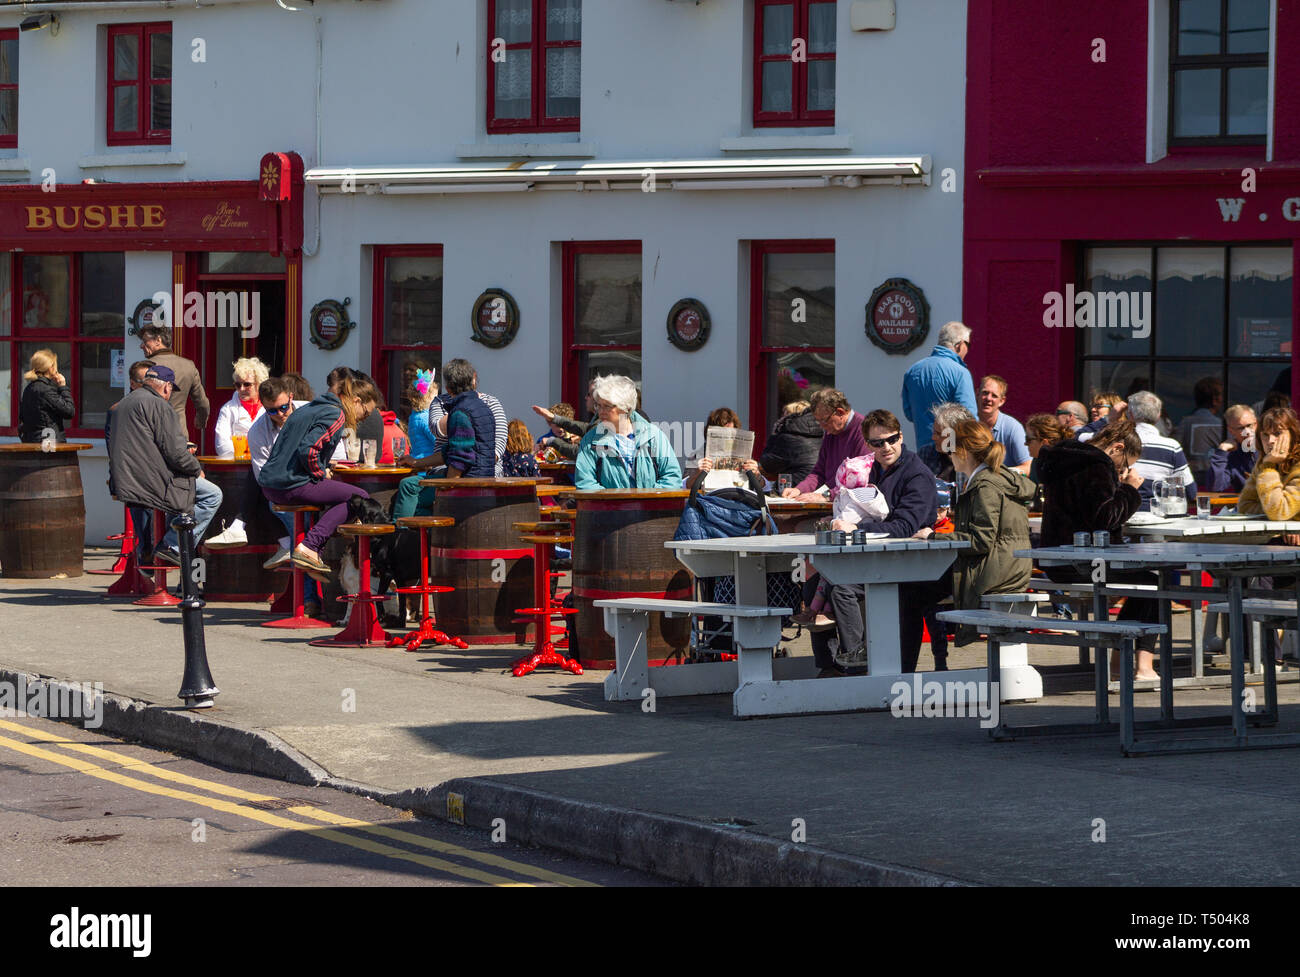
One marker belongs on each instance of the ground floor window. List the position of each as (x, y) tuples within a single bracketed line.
[(1164, 317), (408, 320), (792, 325), (74, 305), (602, 315)]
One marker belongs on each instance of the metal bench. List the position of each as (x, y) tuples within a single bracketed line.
[(1003, 628), (756, 630)]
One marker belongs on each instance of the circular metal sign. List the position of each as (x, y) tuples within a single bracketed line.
[(495, 319), (688, 325), (898, 316)]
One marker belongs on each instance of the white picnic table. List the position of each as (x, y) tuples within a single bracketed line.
[(1228, 562), (1215, 529), (880, 564)]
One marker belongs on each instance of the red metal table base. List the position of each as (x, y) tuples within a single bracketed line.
[(544, 652), (127, 552), (291, 599), (363, 629), (156, 594), (428, 630)]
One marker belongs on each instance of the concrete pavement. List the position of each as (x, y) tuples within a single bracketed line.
[(685, 791)]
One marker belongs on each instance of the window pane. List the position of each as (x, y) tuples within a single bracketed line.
[(9, 62), (160, 55), (514, 88), (6, 387), (777, 95), (563, 82), (799, 299), (1111, 272), (1198, 27), (124, 109), (161, 112), (402, 367), (1196, 102), (778, 28), (103, 294), (1189, 301), (126, 57), (1249, 383), (821, 28), (45, 292), (1247, 101), (95, 394), (242, 262), (608, 299), (412, 301), (821, 86), (9, 112), (1259, 302), (6, 297), (1121, 376), (1247, 26), (621, 363), (795, 376), (515, 20), (564, 20)]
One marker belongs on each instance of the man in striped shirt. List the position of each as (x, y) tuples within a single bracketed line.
[(1162, 457)]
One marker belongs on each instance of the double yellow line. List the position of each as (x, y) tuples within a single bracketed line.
[(123, 762)]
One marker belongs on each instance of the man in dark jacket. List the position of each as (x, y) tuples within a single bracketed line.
[(1230, 463), (793, 447), (141, 519), (151, 466)]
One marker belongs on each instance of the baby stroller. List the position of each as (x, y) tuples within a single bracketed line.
[(724, 514)]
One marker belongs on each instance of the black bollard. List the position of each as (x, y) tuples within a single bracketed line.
[(197, 687)]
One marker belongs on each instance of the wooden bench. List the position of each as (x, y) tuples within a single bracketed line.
[(756, 631), (1003, 628), (1263, 612)]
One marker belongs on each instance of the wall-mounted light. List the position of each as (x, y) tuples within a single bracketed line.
[(40, 21)]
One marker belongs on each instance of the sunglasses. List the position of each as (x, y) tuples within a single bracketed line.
[(881, 442), (242, 384), (282, 409)]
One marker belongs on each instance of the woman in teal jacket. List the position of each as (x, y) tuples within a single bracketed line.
[(623, 450)]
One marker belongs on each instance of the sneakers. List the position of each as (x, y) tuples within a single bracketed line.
[(277, 561), (228, 539), (165, 554), (304, 560)]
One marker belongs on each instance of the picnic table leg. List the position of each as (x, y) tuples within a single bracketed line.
[(884, 653), (1200, 621), (994, 672), (1238, 659), (1167, 581), (1126, 724), (1101, 657), (631, 674), (1270, 691), (1018, 680)]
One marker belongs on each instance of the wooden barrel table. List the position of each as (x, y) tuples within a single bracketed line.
[(560, 471), (482, 557), (42, 511), (236, 575), (379, 482), (798, 517), (618, 551)]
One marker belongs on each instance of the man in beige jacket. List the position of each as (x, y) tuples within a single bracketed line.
[(156, 345)]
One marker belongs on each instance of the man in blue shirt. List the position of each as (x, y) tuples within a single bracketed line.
[(941, 377), (1007, 431)]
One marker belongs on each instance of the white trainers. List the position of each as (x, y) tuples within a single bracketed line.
[(279, 560), (228, 539)]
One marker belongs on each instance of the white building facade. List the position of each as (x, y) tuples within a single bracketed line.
[(597, 163)]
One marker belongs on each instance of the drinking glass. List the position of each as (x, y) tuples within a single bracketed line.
[(352, 445), (1204, 509), (370, 450), (783, 482)]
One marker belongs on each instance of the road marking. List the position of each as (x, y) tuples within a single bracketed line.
[(265, 817), (308, 811)]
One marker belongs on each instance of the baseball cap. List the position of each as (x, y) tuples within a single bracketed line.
[(163, 373)]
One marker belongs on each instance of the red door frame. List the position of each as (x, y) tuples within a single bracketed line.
[(758, 250), (571, 391), (378, 361)]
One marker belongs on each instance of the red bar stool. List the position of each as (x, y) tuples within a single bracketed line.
[(427, 631), (544, 652), (363, 628), (132, 583), (291, 599), (158, 595), (127, 552)]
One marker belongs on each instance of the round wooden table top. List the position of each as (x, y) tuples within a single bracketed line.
[(379, 471), (479, 482), (555, 490), (563, 540), (532, 527), (619, 495), (367, 528), (25, 447), (794, 507), (426, 522), (212, 461), (294, 508)]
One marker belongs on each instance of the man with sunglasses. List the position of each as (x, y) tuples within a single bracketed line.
[(842, 437), (1072, 415), (277, 405)]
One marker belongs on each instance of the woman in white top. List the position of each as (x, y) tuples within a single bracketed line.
[(238, 414)]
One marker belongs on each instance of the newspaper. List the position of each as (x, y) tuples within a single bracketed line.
[(728, 447)]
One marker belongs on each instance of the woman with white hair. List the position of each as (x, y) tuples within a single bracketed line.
[(238, 414), (623, 450)]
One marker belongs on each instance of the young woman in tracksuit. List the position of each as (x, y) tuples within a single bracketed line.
[(297, 473)]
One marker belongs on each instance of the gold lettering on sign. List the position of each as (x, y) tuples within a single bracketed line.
[(224, 216), (94, 217), (38, 219)]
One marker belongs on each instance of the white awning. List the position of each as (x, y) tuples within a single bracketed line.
[(710, 174)]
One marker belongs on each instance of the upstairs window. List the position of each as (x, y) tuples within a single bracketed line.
[(1218, 72), (534, 72), (140, 84), (794, 63), (8, 89)]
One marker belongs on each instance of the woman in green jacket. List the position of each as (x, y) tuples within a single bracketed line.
[(991, 514), (623, 450)]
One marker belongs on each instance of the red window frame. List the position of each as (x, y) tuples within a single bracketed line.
[(9, 142), (142, 135), (799, 114), (70, 334), (760, 354), (572, 390), (537, 121), (379, 349)]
